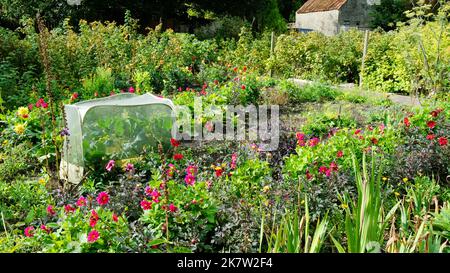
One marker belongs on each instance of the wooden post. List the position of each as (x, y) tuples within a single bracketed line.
[(272, 48), (366, 42)]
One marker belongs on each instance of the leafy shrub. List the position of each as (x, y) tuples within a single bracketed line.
[(308, 93), (99, 84), (241, 196), (14, 161), (22, 202), (221, 28)]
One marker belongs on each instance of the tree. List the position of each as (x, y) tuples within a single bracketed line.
[(388, 13)]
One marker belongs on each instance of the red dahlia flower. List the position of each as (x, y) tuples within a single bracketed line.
[(177, 156), (174, 142), (443, 141), (431, 124), (406, 122)]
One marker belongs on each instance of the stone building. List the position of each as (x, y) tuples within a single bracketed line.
[(332, 16)]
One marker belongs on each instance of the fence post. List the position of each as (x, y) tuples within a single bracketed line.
[(272, 47), (366, 43)]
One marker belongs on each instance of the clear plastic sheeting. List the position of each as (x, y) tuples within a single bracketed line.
[(116, 127)]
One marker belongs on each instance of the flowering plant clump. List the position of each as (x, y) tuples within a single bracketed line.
[(425, 149), (80, 227), (188, 213), (317, 158)]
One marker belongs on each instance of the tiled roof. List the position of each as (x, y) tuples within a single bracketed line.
[(321, 5)]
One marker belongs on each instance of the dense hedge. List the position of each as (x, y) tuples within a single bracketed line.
[(416, 57)]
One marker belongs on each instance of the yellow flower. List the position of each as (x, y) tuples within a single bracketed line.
[(23, 112), (19, 128), (224, 165), (41, 181), (266, 189), (344, 206), (397, 194), (405, 179), (385, 178), (217, 168), (5, 142), (213, 166), (302, 202)]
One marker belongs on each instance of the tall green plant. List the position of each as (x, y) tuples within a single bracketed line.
[(365, 220), (292, 235)]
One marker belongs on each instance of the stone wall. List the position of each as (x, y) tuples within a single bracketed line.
[(322, 21)]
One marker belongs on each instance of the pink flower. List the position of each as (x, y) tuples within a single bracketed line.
[(29, 231), (129, 167), (209, 126), (300, 136), (430, 137), (323, 169), (357, 131), (243, 87), (300, 139), (81, 202), (443, 141), (313, 141), (173, 208), (333, 166), (233, 161), (30, 106), (328, 172), (148, 191), (146, 205), (103, 198), (45, 228), (189, 179), (155, 196), (69, 208), (191, 169), (339, 154), (50, 210), (131, 89), (115, 218), (93, 236), (110, 165)]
